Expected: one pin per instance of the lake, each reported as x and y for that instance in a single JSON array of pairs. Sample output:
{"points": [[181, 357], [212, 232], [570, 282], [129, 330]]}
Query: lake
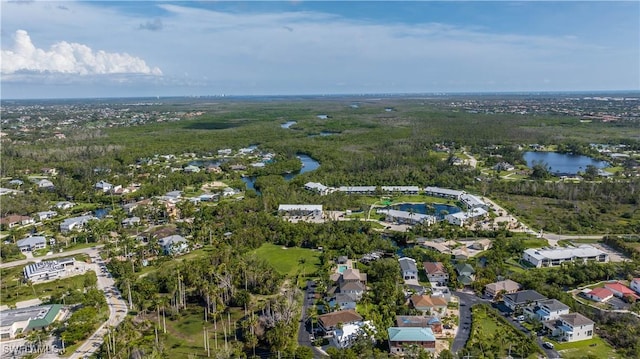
{"points": [[434, 209], [562, 163], [308, 165]]}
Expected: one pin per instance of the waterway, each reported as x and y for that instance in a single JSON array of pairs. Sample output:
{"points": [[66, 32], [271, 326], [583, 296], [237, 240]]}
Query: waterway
{"points": [[562, 163], [308, 165]]}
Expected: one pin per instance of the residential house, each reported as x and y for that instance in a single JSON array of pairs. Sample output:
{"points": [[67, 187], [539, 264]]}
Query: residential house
{"points": [[571, 327], [45, 184], [401, 338], [65, 205], [41, 216], [599, 294], [409, 268], [32, 243], [15, 220], [508, 286], [343, 301], [75, 223], [635, 285], [545, 310], [104, 186], [47, 270], [419, 321], [174, 244], [191, 169], [330, 321], [466, 273], [462, 218], [436, 272], [620, 290], [345, 335], [429, 304], [521, 299], [131, 221]]}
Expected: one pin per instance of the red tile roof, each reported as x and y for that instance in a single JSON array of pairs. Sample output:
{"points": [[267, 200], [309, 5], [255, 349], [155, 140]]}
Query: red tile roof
{"points": [[601, 292]]}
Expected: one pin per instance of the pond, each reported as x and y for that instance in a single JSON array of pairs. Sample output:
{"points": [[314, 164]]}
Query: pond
{"points": [[288, 124], [435, 209], [562, 163], [308, 165]]}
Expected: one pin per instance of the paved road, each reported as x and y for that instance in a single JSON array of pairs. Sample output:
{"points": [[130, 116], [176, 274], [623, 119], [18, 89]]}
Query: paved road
{"points": [[303, 333], [466, 301], [117, 310], [464, 330], [51, 256]]}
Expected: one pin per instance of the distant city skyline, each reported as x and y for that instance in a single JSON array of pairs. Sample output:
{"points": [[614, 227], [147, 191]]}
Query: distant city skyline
{"points": [[84, 49]]}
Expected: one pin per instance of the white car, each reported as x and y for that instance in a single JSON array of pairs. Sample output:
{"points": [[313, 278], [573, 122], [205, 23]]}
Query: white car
{"points": [[548, 345]]}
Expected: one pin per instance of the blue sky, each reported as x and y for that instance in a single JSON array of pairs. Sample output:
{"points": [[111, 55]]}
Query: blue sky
{"points": [[153, 48]]}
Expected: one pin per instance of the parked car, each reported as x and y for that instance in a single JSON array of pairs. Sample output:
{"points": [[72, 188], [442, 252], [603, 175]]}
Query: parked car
{"points": [[548, 345]]}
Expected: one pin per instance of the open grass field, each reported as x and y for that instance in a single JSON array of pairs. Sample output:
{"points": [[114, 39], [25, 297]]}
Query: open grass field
{"points": [[594, 348], [185, 334], [570, 217], [288, 261], [14, 290]]}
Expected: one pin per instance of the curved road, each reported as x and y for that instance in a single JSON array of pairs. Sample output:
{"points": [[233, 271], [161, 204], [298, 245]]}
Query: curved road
{"points": [[106, 283]]}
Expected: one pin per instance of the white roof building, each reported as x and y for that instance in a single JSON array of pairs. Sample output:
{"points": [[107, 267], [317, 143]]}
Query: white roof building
{"points": [[70, 224], [32, 243], [443, 192], [47, 270], [551, 257], [472, 201], [301, 209], [318, 187], [394, 215]]}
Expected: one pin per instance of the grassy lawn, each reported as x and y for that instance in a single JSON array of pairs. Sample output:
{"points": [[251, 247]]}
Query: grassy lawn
{"points": [[288, 261], [595, 347], [488, 325], [535, 243], [14, 290], [185, 333]]}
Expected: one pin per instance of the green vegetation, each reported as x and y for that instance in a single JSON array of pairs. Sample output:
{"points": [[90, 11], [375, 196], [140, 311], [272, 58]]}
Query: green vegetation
{"points": [[15, 290], [493, 336], [289, 261], [592, 348]]}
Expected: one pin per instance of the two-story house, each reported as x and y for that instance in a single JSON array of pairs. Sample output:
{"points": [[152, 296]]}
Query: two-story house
{"points": [[571, 327], [409, 268], [521, 299], [436, 272], [549, 309], [428, 304], [401, 338], [330, 321]]}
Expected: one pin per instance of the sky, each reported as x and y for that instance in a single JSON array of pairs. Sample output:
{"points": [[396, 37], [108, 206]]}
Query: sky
{"points": [[83, 49]]}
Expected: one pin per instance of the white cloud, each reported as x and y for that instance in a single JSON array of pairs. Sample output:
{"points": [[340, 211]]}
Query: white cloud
{"points": [[69, 58]]}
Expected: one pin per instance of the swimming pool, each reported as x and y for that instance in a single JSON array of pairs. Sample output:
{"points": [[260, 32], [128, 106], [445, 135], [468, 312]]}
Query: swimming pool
{"points": [[342, 268]]}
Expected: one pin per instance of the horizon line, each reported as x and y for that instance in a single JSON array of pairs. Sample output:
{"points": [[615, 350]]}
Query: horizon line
{"points": [[387, 94]]}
